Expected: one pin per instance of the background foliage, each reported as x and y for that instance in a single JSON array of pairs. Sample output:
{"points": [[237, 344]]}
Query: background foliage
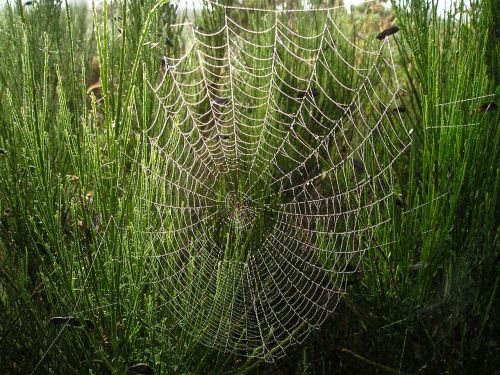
{"points": [[71, 231]]}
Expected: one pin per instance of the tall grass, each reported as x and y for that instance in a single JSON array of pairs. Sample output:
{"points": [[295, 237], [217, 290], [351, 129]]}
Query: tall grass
{"points": [[75, 215]]}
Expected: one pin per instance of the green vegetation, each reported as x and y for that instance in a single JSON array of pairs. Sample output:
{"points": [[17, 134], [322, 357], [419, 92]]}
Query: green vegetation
{"points": [[77, 219]]}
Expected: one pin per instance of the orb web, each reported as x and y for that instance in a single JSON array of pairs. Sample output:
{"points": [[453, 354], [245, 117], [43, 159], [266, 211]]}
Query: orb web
{"points": [[269, 167]]}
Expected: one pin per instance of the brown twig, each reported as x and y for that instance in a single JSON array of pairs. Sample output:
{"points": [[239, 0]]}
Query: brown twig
{"points": [[373, 363]]}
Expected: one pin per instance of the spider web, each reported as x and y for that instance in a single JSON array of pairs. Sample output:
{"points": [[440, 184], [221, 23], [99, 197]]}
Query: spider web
{"points": [[269, 167]]}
